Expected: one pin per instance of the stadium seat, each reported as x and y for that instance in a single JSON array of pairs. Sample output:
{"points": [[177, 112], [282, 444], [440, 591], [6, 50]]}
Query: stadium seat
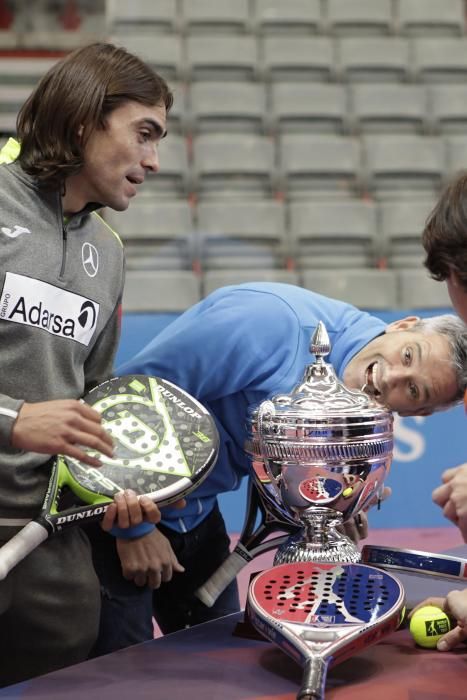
{"points": [[145, 16], [418, 291], [308, 107], [11, 99], [289, 58], [22, 71], [448, 108], [366, 289], [233, 165], [242, 234], [388, 108], [215, 16], [160, 291], [213, 279], [373, 59], [440, 60], [402, 165], [319, 165], [177, 117], [156, 234], [333, 234], [221, 57], [291, 17], [161, 51], [402, 223], [431, 17], [242, 107], [456, 155], [359, 17]]}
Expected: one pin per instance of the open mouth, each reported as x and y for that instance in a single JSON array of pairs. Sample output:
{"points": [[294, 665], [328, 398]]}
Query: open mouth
{"points": [[134, 180], [371, 385]]}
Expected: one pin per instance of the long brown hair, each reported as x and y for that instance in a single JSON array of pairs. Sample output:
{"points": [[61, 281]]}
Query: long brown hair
{"points": [[445, 235], [76, 95]]}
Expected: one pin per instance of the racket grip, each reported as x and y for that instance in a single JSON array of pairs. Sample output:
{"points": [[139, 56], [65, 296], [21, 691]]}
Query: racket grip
{"points": [[314, 679], [210, 591], [16, 549]]}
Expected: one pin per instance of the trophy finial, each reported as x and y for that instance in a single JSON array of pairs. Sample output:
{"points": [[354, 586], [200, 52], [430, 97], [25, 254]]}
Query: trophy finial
{"points": [[320, 344]]}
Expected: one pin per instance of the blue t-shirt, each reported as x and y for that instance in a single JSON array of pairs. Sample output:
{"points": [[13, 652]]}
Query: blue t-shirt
{"points": [[236, 347]]}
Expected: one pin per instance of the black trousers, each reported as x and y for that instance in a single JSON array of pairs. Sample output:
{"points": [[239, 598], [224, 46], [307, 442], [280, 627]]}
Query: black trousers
{"points": [[127, 609]]}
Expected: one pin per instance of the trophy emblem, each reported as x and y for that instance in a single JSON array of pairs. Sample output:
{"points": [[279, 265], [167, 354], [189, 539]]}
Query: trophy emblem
{"points": [[320, 454]]}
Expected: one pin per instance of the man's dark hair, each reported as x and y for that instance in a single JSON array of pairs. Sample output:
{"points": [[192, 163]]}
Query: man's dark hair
{"points": [[445, 234], [76, 96]]}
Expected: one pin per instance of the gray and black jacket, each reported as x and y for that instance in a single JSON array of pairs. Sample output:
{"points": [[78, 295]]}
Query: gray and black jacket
{"points": [[60, 295]]}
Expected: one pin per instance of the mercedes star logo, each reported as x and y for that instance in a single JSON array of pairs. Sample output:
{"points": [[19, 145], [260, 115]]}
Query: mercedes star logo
{"points": [[90, 258]]}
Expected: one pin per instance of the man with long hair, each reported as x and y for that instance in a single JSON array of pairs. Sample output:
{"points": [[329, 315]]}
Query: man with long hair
{"points": [[87, 137]]}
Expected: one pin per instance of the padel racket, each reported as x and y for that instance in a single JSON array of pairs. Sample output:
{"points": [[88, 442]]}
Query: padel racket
{"points": [[415, 562], [252, 542], [165, 443], [321, 614]]}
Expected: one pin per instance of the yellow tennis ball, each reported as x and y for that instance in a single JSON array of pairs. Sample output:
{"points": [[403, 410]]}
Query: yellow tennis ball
{"points": [[428, 624], [347, 492]]}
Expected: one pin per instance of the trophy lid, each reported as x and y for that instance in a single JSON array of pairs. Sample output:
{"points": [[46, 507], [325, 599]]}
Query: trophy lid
{"points": [[321, 419]]}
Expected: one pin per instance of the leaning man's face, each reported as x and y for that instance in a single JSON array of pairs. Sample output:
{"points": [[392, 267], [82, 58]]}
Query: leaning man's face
{"points": [[408, 371]]}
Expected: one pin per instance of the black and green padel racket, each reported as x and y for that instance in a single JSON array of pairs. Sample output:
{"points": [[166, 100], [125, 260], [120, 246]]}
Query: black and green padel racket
{"points": [[165, 443]]}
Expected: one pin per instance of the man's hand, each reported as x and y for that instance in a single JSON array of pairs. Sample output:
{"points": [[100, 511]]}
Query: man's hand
{"points": [[451, 496], [61, 427], [148, 560], [129, 510], [454, 605], [356, 528]]}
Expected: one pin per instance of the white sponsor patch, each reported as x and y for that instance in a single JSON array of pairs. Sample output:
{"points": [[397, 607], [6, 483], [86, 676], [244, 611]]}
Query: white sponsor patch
{"points": [[35, 303]]}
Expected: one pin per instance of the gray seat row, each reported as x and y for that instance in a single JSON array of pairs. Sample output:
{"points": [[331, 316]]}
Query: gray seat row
{"points": [[442, 17], [269, 235], [175, 291]]}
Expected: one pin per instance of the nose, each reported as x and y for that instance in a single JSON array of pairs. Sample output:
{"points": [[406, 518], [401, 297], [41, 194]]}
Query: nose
{"points": [[151, 159]]}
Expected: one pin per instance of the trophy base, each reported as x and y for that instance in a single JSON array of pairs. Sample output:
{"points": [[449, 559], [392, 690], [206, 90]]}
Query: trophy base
{"points": [[297, 548]]}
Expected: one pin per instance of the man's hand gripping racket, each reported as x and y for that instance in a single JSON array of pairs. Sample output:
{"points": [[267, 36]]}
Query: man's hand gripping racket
{"points": [[321, 614], [165, 443]]}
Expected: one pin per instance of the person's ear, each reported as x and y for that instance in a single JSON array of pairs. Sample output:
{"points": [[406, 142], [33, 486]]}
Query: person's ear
{"points": [[402, 324]]}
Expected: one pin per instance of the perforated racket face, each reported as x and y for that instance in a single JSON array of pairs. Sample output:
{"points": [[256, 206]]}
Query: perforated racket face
{"points": [[165, 441], [325, 594]]}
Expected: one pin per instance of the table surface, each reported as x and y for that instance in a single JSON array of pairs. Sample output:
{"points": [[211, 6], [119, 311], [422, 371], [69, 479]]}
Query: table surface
{"points": [[209, 661]]}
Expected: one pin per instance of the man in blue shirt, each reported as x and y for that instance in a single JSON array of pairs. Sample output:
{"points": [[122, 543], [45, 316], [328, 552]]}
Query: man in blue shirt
{"points": [[244, 343]]}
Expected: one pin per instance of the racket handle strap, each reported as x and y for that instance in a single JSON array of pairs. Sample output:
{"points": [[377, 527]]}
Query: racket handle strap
{"points": [[16, 549], [314, 680], [210, 591]]}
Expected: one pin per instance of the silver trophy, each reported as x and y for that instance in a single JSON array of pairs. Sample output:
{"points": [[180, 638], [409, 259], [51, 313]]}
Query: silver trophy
{"points": [[320, 455]]}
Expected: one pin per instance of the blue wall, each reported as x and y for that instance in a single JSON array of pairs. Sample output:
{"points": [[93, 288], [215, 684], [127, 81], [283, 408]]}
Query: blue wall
{"points": [[425, 446]]}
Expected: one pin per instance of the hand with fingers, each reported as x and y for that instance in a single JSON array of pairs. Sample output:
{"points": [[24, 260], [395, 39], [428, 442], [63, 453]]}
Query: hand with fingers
{"points": [[130, 510], [61, 427], [454, 605], [451, 496], [148, 560], [356, 528]]}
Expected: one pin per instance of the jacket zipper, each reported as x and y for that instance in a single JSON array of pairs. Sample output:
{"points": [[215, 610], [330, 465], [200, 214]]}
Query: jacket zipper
{"points": [[64, 250], [64, 227]]}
